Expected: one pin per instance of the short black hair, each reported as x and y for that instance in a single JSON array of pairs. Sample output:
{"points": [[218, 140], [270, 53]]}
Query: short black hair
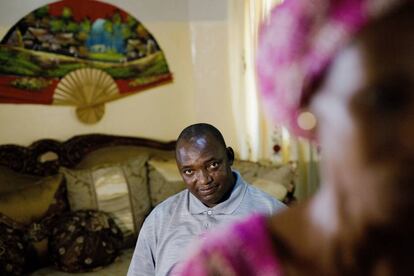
{"points": [[201, 130]]}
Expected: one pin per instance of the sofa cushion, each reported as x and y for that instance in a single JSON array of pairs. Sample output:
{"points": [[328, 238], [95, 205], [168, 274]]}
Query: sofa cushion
{"points": [[276, 180], [118, 267], [164, 179], [34, 208], [32, 202], [251, 171], [11, 180], [273, 188], [84, 240], [119, 189]]}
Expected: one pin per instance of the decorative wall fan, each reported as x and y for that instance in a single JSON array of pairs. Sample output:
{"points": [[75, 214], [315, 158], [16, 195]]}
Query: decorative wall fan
{"points": [[81, 53]]}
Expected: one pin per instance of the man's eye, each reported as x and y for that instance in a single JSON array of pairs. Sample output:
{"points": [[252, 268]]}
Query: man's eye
{"points": [[214, 165], [188, 172]]}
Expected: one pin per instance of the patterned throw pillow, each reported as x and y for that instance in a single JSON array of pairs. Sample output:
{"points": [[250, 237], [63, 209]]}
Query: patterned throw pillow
{"points": [[119, 189], [84, 241], [12, 248]]}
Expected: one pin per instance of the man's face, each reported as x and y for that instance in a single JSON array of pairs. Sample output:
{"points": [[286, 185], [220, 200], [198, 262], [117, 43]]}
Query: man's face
{"points": [[204, 165]]}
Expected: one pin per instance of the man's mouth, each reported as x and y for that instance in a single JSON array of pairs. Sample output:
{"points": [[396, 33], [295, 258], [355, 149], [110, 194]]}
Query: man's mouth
{"points": [[208, 190]]}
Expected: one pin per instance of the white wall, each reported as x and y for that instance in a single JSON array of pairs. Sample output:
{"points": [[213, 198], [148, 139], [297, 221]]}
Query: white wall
{"points": [[193, 35], [209, 34]]}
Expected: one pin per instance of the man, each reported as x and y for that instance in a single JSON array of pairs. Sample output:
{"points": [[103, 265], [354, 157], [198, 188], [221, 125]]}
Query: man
{"points": [[215, 195]]}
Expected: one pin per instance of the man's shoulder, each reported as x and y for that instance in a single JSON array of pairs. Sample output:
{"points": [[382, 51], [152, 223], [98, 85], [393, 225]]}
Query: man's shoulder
{"points": [[169, 204]]}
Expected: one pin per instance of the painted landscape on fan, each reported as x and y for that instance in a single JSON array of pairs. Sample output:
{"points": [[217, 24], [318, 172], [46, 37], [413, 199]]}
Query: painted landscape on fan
{"points": [[86, 41]]}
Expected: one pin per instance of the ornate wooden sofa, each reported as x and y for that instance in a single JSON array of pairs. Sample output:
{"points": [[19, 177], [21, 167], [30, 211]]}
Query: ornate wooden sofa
{"points": [[48, 185]]}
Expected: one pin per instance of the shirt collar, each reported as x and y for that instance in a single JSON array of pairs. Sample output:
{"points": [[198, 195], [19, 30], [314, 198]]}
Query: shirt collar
{"points": [[195, 206]]}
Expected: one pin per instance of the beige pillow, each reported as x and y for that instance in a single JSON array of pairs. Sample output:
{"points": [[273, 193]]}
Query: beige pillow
{"points": [[275, 189], [30, 203], [247, 169], [164, 179], [34, 206], [119, 189], [273, 179]]}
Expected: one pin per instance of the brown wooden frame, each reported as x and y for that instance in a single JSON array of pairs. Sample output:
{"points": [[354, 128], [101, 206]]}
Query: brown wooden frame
{"points": [[68, 153]]}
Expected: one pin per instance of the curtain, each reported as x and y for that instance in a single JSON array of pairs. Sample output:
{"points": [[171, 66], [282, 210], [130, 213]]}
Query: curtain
{"points": [[253, 130], [259, 139]]}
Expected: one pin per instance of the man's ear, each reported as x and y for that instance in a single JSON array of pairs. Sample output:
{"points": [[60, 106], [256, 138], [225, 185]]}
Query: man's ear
{"points": [[230, 155]]}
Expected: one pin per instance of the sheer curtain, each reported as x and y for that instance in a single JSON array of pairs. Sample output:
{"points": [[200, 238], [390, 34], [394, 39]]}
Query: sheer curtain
{"points": [[259, 139], [253, 130]]}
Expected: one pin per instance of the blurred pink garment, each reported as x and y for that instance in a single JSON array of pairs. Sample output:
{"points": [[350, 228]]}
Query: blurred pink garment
{"points": [[297, 44], [244, 248]]}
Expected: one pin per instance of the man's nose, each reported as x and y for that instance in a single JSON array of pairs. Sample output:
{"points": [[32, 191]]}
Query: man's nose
{"points": [[203, 177]]}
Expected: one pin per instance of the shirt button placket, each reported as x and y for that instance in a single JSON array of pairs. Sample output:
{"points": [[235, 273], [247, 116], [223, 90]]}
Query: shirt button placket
{"points": [[207, 225]]}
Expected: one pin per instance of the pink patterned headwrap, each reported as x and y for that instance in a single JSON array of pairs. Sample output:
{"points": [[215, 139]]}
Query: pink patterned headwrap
{"points": [[298, 42]]}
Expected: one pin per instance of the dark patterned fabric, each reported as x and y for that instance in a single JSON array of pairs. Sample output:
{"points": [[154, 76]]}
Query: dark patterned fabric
{"points": [[12, 248], [85, 240], [36, 231]]}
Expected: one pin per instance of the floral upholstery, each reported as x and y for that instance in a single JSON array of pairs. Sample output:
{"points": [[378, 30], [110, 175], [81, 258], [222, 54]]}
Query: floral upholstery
{"points": [[85, 240]]}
